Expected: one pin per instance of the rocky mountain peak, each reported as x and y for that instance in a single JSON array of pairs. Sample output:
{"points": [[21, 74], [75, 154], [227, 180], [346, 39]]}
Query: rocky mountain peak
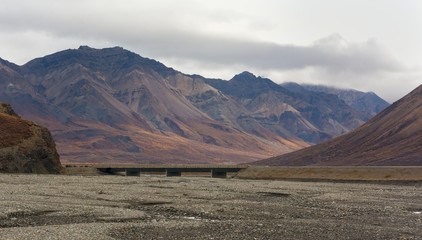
{"points": [[244, 76], [252, 84], [105, 60]]}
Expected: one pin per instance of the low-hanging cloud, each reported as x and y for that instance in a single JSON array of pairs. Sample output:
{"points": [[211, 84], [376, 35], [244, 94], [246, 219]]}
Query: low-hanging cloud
{"points": [[332, 53], [176, 33], [165, 35]]}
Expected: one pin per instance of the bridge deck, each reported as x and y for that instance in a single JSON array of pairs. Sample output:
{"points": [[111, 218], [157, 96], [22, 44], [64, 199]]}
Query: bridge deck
{"points": [[170, 170]]}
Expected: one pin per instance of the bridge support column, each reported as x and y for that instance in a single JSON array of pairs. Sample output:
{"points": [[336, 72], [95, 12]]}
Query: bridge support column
{"points": [[218, 173], [130, 172], [173, 173]]}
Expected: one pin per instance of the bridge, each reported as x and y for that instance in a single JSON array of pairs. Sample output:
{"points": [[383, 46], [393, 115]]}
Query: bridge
{"points": [[217, 171]]}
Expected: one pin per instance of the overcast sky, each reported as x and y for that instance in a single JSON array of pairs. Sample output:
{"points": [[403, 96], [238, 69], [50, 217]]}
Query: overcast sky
{"points": [[369, 45]]}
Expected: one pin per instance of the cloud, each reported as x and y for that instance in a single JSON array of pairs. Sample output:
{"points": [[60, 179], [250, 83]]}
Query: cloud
{"points": [[391, 86], [331, 53], [162, 32], [212, 39]]}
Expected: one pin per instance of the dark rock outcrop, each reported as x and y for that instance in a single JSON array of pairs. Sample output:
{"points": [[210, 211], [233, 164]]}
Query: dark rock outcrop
{"points": [[7, 109], [25, 147]]}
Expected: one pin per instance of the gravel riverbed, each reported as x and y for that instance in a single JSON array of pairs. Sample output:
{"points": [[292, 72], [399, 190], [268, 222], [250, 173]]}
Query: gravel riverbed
{"points": [[158, 207]]}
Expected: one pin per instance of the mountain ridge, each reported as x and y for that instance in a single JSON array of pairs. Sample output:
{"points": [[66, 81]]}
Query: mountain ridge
{"points": [[391, 138], [313, 117], [127, 108], [363, 101]]}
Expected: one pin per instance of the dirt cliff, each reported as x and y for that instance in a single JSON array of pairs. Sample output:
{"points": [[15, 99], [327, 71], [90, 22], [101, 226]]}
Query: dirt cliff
{"points": [[25, 147]]}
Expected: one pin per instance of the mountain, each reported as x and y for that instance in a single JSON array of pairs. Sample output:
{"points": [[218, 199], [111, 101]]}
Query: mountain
{"points": [[113, 106], [312, 117], [391, 138], [363, 101], [25, 146]]}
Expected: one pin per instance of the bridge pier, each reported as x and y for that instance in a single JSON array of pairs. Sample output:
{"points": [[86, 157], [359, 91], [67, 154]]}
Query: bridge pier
{"points": [[215, 173], [130, 172], [173, 173]]}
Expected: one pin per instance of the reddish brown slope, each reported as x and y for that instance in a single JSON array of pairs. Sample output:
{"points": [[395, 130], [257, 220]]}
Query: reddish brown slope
{"points": [[393, 137], [25, 147]]}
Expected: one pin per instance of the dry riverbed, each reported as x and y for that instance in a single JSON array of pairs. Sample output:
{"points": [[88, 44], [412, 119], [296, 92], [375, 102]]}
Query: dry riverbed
{"points": [[158, 207]]}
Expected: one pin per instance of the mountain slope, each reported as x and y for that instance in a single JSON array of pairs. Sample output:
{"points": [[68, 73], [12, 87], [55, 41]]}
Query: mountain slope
{"points": [[363, 101], [112, 105], [393, 137], [313, 117]]}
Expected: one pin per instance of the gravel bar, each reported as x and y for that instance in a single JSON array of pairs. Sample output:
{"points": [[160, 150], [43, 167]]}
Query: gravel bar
{"points": [[188, 207]]}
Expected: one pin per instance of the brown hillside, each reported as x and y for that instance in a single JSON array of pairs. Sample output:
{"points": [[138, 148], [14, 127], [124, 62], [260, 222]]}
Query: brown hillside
{"points": [[25, 147], [13, 130], [393, 137]]}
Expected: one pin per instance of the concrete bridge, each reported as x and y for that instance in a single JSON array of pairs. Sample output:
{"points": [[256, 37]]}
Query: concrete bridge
{"points": [[219, 171]]}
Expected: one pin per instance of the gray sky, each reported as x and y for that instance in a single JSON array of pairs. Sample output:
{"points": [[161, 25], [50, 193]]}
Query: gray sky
{"points": [[370, 45]]}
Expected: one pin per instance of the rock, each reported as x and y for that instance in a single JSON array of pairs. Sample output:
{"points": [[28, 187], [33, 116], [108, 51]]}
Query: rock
{"points": [[7, 109], [25, 147]]}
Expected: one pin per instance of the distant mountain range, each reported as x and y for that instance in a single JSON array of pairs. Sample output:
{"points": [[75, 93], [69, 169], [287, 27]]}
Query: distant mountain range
{"points": [[310, 116], [391, 138], [112, 105], [363, 101]]}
